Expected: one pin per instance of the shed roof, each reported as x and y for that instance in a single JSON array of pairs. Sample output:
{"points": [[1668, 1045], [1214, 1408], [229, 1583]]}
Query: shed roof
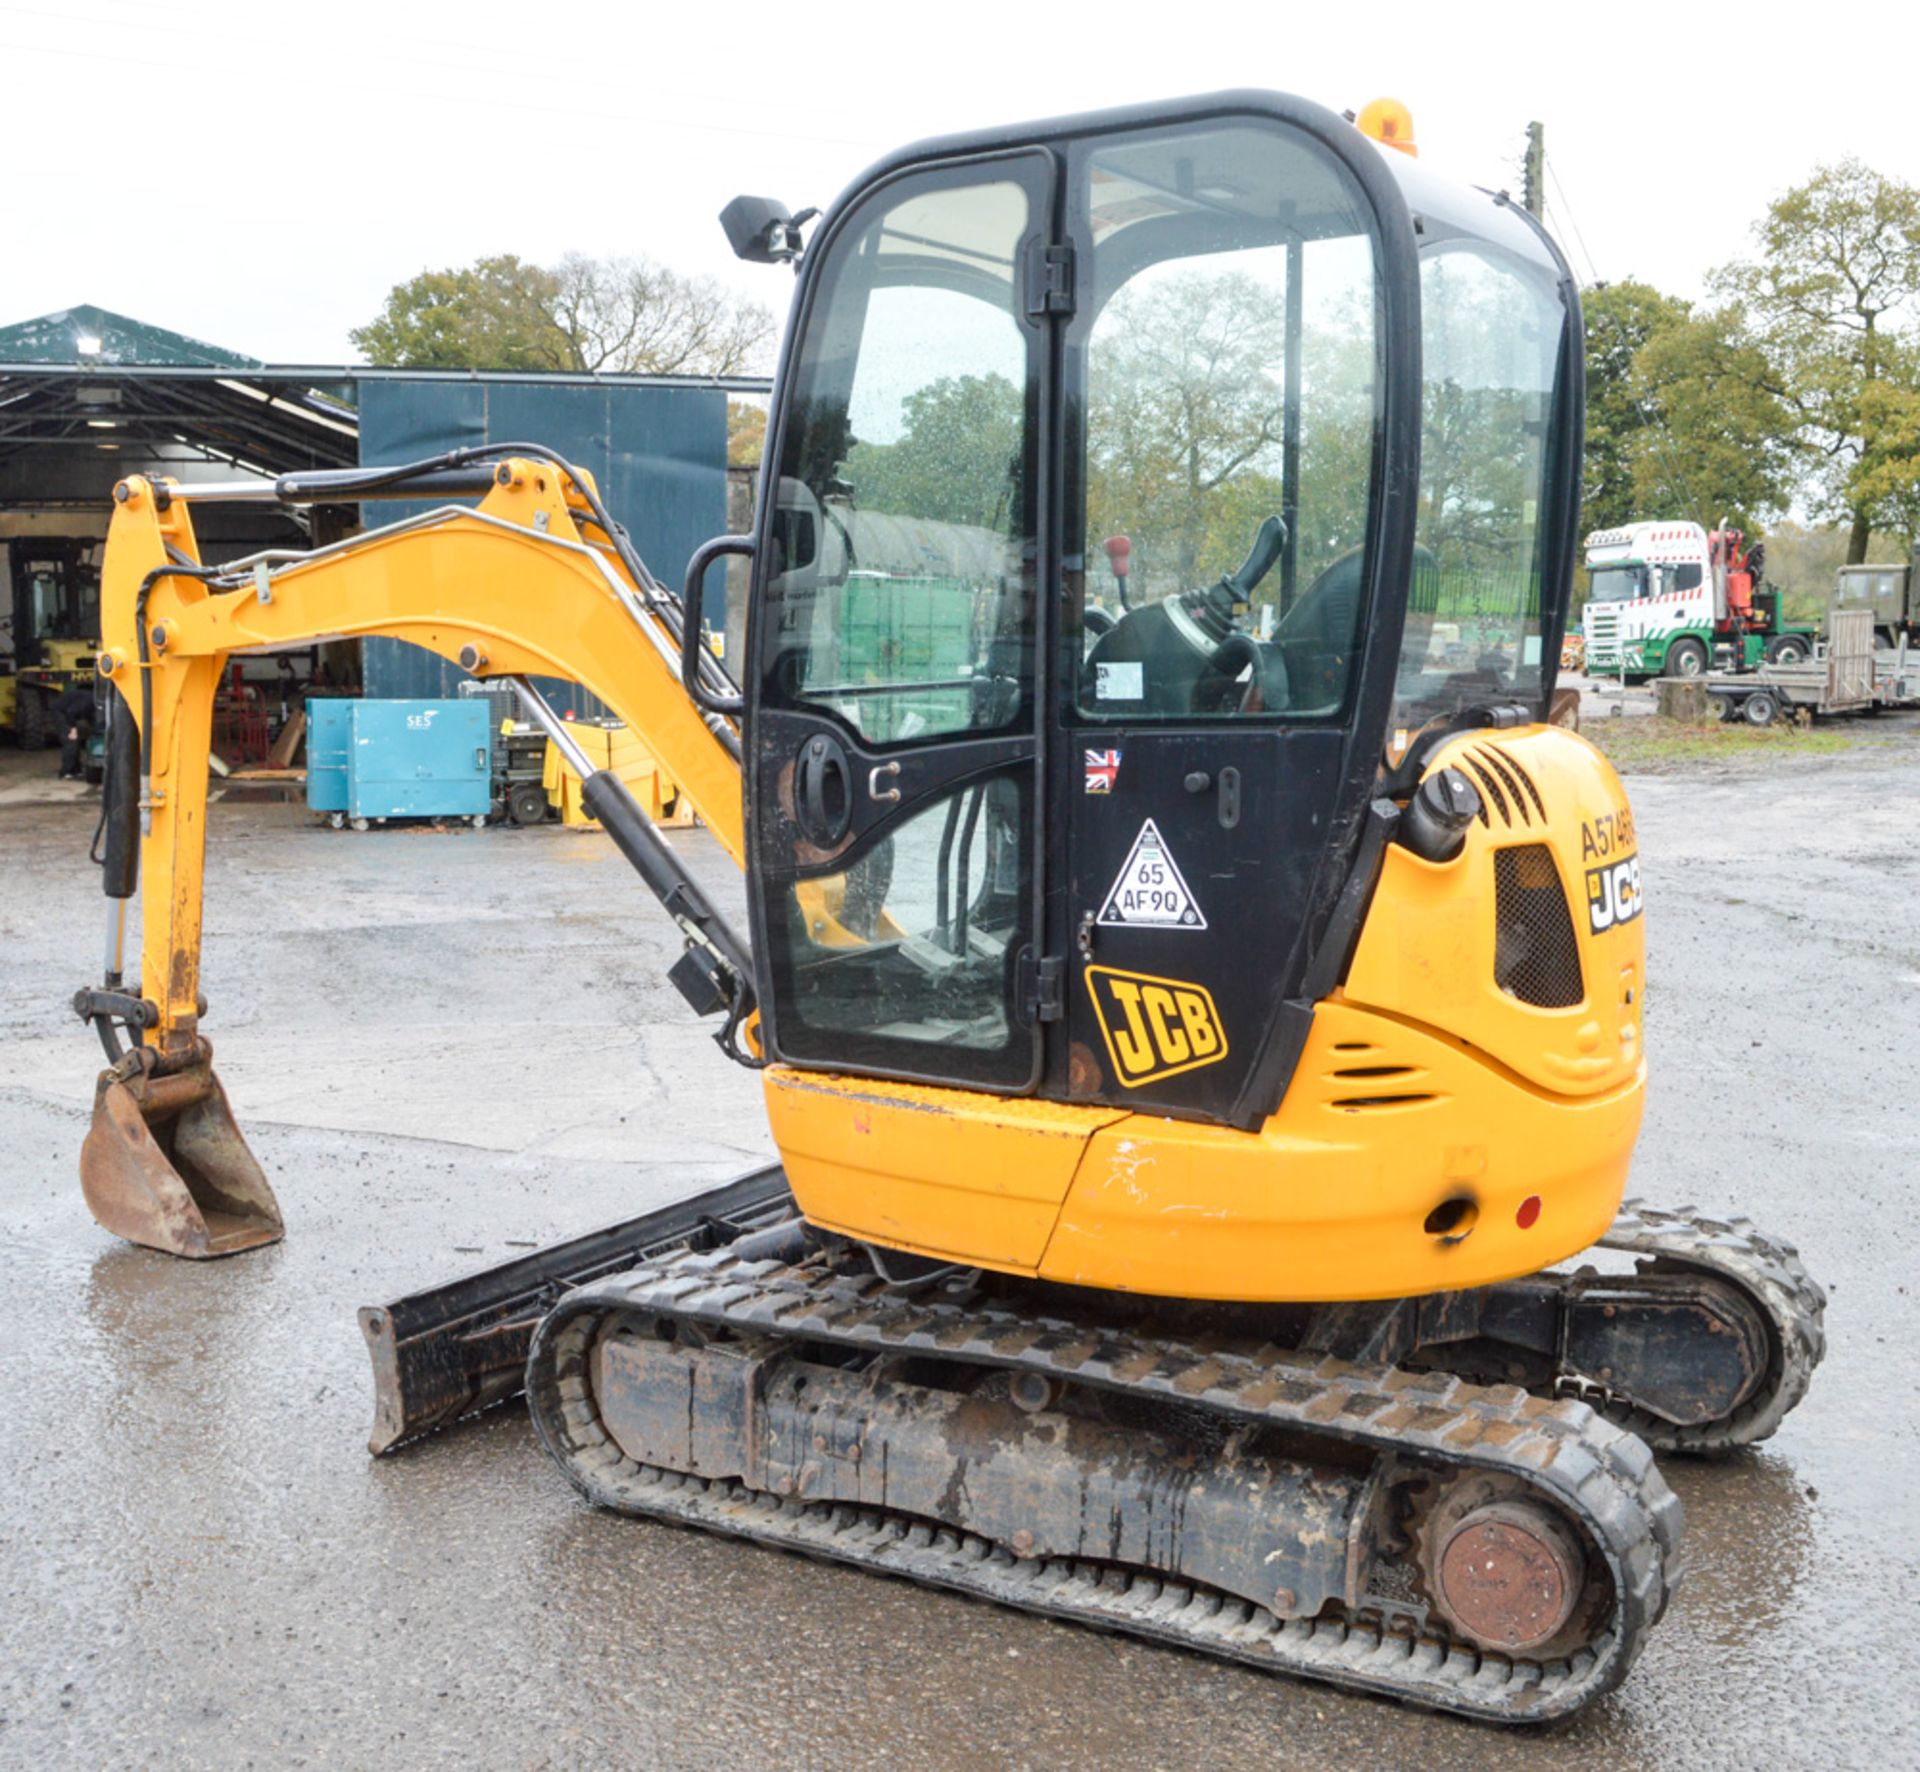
{"points": [[86, 334]]}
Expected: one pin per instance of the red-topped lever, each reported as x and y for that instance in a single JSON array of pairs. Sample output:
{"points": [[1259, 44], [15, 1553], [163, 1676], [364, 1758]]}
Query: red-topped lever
{"points": [[1119, 551]]}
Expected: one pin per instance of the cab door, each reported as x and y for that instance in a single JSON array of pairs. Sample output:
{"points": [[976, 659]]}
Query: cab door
{"points": [[894, 701], [1224, 672]]}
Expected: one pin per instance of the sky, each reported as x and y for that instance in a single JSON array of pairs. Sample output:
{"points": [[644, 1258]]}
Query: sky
{"points": [[259, 176]]}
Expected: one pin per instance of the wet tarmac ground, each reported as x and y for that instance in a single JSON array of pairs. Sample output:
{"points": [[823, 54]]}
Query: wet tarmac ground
{"points": [[447, 1046]]}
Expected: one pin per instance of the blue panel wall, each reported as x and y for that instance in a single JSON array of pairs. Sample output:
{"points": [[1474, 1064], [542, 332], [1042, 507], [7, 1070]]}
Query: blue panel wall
{"points": [[659, 455]]}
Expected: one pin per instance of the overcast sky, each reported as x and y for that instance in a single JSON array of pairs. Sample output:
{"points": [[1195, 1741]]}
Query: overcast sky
{"points": [[259, 175]]}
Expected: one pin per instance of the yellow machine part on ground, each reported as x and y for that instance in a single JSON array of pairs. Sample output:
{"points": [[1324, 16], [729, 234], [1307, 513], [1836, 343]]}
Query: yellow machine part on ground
{"points": [[622, 751]]}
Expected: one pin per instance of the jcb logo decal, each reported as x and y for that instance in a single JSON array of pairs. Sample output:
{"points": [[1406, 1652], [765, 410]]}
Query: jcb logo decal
{"points": [[1154, 1027], [1613, 895]]}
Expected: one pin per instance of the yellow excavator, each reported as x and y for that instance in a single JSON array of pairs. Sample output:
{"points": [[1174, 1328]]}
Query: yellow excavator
{"points": [[1198, 997]]}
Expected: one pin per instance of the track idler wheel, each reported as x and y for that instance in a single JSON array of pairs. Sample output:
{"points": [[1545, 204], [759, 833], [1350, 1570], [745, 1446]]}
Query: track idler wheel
{"points": [[165, 1166], [1505, 1569]]}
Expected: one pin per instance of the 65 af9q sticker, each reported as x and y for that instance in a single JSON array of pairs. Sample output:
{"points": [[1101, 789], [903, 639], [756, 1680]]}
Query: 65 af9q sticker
{"points": [[1150, 889]]}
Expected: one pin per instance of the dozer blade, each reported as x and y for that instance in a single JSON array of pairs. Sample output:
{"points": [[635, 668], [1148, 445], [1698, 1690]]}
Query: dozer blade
{"points": [[450, 1351], [165, 1166]]}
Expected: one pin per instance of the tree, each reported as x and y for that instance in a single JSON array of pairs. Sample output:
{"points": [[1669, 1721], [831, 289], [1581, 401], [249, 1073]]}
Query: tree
{"points": [[957, 459], [1185, 395], [1888, 477], [1722, 441], [746, 433], [632, 316], [1838, 274], [619, 315], [1621, 319], [492, 314], [1685, 415]]}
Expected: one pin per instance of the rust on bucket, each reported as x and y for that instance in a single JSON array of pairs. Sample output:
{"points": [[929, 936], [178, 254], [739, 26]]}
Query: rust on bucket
{"points": [[165, 1166]]}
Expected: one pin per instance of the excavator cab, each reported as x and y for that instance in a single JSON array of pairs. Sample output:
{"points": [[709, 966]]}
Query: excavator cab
{"points": [[997, 791]]}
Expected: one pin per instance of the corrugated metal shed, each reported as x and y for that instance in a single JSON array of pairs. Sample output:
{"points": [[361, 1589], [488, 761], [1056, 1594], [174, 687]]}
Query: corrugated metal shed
{"points": [[658, 451]]}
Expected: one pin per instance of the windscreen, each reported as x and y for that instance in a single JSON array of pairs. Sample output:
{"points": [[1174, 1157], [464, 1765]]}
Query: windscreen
{"points": [[1491, 333], [1616, 584]]}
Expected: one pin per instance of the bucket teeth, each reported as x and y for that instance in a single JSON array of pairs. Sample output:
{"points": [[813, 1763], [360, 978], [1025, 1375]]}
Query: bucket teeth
{"points": [[165, 1166]]}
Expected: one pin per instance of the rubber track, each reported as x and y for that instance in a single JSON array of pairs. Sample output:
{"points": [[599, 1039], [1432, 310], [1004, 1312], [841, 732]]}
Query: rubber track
{"points": [[1770, 1273], [1602, 1476]]}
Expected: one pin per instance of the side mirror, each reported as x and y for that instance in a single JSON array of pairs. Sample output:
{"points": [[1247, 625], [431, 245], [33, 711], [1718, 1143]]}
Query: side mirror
{"points": [[760, 230]]}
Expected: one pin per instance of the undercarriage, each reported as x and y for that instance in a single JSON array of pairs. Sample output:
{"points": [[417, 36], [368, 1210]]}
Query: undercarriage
{"points": [[1450, 1500]]}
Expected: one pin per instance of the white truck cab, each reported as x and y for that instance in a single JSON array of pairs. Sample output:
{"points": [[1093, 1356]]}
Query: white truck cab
{"points": [[1668, 598]]}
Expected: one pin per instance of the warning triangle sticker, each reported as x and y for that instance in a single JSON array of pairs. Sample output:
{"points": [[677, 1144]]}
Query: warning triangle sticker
{"points": [[1150, 891]]}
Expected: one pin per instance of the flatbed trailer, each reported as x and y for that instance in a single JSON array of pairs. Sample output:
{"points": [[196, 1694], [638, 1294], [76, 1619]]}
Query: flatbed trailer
{"points": [[1848, 674]]}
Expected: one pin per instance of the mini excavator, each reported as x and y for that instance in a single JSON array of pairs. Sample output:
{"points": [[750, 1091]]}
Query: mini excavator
{"points": [[1197, 995]]}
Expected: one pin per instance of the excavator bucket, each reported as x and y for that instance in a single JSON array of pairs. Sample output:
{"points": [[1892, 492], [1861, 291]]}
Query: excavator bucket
{"points": [[165, 1166]]}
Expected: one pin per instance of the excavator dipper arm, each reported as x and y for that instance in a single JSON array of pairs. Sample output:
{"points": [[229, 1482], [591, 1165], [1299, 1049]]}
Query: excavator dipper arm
{"points": [[536, 579]]}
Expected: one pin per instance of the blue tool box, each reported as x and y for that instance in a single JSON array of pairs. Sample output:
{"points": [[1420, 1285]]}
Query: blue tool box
{"points": [[371, 760]]}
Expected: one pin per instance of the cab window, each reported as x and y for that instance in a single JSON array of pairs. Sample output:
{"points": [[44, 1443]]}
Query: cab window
{"points": [[1227, 368]]}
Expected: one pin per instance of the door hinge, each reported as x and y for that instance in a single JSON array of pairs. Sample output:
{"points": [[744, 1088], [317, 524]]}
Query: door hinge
{"points": [[1050, 283], [1049, 988]]}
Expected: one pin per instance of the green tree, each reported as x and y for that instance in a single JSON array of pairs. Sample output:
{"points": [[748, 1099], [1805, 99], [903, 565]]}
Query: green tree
{"points": [[1685, 414], [1722, 444], [956, 460], [746, 433], [618, 315], [1836, 280], [1186, 398], [1888, 477], [492, 314], [1622, 318]]}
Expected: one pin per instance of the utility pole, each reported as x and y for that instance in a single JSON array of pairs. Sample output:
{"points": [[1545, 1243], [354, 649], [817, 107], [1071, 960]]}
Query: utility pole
{"points": [[1535, 185]]}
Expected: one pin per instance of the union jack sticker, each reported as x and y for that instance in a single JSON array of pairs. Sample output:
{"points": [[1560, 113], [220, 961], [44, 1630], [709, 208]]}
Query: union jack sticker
{"points": [[1103, 770]]}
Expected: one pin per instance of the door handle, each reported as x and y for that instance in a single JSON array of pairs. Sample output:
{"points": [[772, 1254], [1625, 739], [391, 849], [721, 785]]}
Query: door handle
{"points": [[692, 622], [874, 775], [1229, 797], [822, 797]]}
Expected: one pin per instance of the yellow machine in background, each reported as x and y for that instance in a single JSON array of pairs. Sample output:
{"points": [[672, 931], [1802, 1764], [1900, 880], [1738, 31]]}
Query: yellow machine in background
{"points": [[628, 757], [1198, 998]]}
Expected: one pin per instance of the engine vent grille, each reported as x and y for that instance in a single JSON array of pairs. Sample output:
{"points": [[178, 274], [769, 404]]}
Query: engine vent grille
{"points": [[1535, 955], [1507, 788]]}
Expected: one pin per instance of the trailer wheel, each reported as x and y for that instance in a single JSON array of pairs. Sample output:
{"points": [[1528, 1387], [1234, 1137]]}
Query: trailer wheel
{"points": [[1789, 649], [1760, 708], [1686, 658], [1719, 709]]}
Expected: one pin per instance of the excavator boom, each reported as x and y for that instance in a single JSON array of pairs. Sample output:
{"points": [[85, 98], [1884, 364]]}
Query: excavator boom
{"points": [[535, 579]]}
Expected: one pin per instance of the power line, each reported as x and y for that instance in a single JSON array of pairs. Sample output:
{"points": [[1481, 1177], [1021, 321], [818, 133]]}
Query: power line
{"points": [[1666, 450]]}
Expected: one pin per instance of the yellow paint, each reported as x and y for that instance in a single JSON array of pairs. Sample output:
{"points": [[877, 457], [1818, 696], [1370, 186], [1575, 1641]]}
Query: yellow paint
{"points": [[1329, 1198], [1427, 951], [943, 1172]]}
